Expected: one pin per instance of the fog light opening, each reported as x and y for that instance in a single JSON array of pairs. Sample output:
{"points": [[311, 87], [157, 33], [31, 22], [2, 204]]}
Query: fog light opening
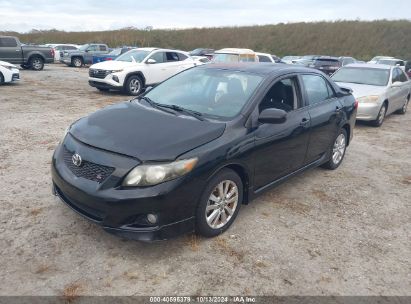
{"points": [[152, 218]]}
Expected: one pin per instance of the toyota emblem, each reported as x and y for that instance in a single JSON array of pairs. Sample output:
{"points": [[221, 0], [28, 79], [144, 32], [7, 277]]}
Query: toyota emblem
{"points": [[76, 159]]}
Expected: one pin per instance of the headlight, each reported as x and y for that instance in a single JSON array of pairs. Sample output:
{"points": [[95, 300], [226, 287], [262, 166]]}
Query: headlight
{"points": [[115, 71], [149, 175], [8, 67], [369, 99]]}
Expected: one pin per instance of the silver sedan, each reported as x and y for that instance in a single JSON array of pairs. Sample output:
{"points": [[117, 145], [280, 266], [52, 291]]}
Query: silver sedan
{"points": [[379, 89]]}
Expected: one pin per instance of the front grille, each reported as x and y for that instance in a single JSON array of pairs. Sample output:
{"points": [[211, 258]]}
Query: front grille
{"points": [[15, 76], [98, 73], [87, 170]]}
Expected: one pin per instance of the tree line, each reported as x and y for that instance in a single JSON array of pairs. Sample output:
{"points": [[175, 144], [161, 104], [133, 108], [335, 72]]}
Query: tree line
{"points": [[360, 39]]}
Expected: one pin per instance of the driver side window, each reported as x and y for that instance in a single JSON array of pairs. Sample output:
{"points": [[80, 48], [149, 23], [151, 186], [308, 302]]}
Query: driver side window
{"points": [[158, 57], [282, 95]]}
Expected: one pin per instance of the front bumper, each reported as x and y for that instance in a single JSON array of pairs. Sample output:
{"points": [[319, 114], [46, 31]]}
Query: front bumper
{"points": [[105, 83], [368, 111], [15, 76], [122, 211]]}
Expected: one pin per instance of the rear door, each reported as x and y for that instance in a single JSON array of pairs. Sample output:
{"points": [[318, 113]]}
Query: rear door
{"points": [[325, 115], [396, 91], [10, 50]]}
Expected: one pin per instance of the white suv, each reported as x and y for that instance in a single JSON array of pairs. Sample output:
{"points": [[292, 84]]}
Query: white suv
{"points": [[139, 68]]}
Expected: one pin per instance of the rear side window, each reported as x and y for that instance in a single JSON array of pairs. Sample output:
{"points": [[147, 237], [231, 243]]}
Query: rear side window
{"points": [[316, 88], [69, 47], [182, 57], [8, 42], [171, 56], [103, 48]]}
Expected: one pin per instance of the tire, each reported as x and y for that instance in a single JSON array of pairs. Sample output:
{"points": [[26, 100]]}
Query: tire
{"points": [[1, 79], [134, 85], [381, 116], [77, 62], [224, 211], [337, 151], [403, 110], [36, 63]]}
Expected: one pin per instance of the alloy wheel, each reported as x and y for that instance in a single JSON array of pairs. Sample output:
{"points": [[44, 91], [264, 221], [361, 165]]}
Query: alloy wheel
{"points": [[36, 64], [381, 115], [222, 204], [135, 86], [339, 149]]}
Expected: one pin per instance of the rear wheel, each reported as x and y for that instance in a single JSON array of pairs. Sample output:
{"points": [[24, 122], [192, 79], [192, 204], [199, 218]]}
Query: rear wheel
{"points": [[134, 85], [403, 110], [380, 117], [36, 63], [337, 151], [1, 78], [219, 204], [77, 62]]}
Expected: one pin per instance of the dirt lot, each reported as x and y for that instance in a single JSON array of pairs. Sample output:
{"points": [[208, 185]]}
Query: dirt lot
{"points": [[343, 232]]}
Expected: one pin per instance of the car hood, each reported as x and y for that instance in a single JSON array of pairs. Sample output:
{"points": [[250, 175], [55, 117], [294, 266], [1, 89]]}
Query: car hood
{"points": [[113, 65], [360, 90], [143, 132], [4, 63]]}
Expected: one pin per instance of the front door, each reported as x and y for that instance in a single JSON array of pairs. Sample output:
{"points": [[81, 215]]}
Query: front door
{"points": [[280, 148]]}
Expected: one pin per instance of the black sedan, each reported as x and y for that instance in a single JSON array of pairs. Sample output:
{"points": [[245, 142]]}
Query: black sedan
{"points": [[185, 155]]}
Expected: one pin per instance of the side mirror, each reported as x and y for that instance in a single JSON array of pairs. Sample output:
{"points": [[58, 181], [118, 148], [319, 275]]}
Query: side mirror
{"points": [[151, 61], [272, 116], [396, 84]]}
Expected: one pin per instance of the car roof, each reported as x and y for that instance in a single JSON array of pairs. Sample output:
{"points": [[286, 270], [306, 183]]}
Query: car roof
{"points": [[264, 69], [370, 66], [235, 51]]}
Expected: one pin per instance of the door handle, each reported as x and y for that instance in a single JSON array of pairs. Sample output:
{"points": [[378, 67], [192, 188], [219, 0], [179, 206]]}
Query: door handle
{"points": [[304, 122]]}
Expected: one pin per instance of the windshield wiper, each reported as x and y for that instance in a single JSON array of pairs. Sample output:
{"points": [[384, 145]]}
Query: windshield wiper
{"points": [[155, 104], [177, 108]]}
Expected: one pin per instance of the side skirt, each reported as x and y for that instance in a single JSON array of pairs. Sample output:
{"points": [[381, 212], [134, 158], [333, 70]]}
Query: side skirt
{"points": [[279, 181]]}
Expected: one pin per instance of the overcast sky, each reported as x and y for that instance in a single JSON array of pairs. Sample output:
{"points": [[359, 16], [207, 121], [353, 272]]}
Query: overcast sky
{"points": [[84, 15]]}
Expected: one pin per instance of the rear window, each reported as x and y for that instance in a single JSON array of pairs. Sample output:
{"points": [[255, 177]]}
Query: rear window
{"points": [[263, 58], [8, 42]]}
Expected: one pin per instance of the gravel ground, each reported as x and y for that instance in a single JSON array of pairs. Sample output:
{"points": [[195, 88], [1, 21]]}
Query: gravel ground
{"points": [[343, 232]]}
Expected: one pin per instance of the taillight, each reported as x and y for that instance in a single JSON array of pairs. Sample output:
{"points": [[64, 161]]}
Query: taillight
{"points": [[52, 52], [356, 104]]}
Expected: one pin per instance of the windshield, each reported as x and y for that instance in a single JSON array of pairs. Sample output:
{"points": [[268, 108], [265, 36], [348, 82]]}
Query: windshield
{"points": [[115, 52], [368, 76], [83, 47], [390, 62], [196, 52], [211, 92], [137, 55]]}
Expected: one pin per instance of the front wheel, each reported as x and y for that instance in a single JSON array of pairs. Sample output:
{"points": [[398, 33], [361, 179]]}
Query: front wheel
{"points": [[134, 85], [219, 204], [337, 151], [380, 117], [36, 63]]}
